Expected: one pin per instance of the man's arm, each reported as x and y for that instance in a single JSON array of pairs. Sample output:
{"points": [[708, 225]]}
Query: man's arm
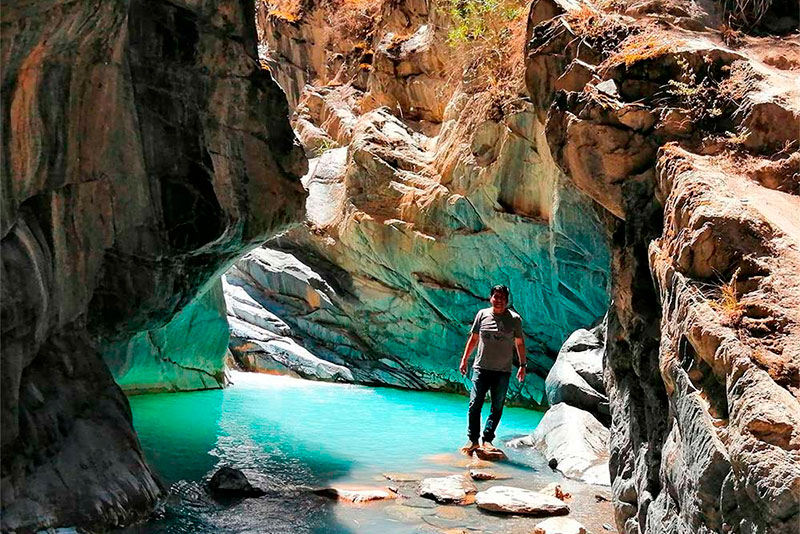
{"points": [[520, 344], [472, 342]]}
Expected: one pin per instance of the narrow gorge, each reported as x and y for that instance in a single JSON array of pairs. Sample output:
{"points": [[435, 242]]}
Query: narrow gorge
{"points": [[327, 189]]}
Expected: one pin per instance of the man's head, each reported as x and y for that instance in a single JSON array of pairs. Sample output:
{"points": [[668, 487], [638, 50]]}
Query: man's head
{"points": [[498, 296]]}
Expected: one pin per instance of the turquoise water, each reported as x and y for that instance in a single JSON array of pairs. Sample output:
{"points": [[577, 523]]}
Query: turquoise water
{"points": [[289, 435]]}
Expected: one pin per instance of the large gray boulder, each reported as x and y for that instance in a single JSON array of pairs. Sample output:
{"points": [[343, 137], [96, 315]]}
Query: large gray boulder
{"points": [[577, 376], [574, 442]]}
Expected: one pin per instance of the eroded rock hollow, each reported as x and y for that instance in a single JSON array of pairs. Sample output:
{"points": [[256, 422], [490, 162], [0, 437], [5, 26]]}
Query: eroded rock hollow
{"points": [[144, 150]]}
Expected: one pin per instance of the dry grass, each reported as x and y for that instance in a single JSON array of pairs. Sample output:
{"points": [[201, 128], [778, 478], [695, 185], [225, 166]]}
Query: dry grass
{"points": [[646, 44], [745, 13], [286, 10], [728, 302]]}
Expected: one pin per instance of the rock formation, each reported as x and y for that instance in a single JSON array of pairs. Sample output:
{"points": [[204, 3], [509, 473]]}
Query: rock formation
{"points": [[423, 193], [692, 146], [144, 150]]}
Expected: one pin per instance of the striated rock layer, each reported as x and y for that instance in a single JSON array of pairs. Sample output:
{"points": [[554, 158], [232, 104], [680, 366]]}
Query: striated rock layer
{"points": [[422, 195], [692, 146], [144, 150]]}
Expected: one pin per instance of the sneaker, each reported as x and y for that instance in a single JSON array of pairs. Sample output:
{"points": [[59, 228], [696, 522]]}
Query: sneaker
{"points": [[469, 448]]}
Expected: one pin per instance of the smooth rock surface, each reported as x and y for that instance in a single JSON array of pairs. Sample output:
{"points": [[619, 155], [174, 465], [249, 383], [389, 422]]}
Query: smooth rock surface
{"points": [[559, 525], [452, 489], [512, 500], [574, 442]]}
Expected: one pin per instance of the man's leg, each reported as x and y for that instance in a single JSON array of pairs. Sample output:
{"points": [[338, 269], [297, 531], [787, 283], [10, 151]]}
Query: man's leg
{"points": [[480, 385], [499, 388]]}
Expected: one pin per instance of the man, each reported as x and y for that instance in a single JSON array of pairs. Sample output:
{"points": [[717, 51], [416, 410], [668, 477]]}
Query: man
{"points": [[497, 332]]}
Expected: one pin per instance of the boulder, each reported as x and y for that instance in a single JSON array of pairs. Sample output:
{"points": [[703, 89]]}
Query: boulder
{"points": [[577, 376], [574, 442], [519, 501], [230, 482], [452, 489], [559, 525]]}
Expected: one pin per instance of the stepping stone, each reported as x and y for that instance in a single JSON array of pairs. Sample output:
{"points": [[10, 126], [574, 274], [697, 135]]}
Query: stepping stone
{"points": [[495, 455], [477, 474], [559, 525], [452, 489], [512, 500], [357, 496]]}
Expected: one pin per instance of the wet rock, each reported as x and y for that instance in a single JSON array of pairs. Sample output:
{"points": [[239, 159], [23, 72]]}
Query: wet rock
{"points": [[490, 455], [574, 442], [453, 489], [357, 496], [230, 482], [519, 501], [480, 474], [559, 525]]}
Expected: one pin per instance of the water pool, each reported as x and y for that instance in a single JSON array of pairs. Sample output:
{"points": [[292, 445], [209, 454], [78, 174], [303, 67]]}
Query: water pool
{"points": [[289, 435]]}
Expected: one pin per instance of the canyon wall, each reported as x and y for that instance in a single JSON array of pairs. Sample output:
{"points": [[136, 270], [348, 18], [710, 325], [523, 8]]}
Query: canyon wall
{"points": [[423, 193], [144, 150], [691, 144]]}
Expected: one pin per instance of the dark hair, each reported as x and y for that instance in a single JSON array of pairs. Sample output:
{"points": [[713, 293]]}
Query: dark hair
{"points": [[500, 289]]}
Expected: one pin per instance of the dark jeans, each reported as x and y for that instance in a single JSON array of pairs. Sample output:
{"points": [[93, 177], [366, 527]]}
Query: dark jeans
{"points": [[484, 381]]}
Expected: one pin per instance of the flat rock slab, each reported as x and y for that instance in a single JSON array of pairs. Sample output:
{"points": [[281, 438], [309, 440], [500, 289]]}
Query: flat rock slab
{"points": [[559, 525], [357, 496], [491, 455], [512, 500], [452, 489]]}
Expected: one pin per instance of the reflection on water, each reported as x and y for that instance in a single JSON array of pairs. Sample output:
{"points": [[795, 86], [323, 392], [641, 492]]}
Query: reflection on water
{"points": [[289, 435]]}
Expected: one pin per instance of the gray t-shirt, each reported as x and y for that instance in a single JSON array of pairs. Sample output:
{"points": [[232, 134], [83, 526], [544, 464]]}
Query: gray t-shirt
{"points": [[496, 348]]}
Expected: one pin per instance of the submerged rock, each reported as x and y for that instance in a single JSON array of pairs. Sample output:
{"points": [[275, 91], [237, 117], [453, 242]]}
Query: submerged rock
{"points": [[453, 489], [357, 496], [512, 500], [230, 482]]}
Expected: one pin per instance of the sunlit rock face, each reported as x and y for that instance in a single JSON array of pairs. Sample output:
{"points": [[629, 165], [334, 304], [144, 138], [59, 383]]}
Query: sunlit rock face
{"points": [[420, 198], [184, 354], [702, 361], [144, 150]]}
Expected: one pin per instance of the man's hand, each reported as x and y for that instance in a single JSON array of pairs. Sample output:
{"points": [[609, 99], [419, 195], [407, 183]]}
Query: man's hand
{"points": [[463, 367], [521, 374]]}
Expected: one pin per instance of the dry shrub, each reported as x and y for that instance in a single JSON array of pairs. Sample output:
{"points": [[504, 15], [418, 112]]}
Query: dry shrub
{"points": [[287, 10], [645, 44], [355, 19], [728, 303], [745, 13], [488, 38]]}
